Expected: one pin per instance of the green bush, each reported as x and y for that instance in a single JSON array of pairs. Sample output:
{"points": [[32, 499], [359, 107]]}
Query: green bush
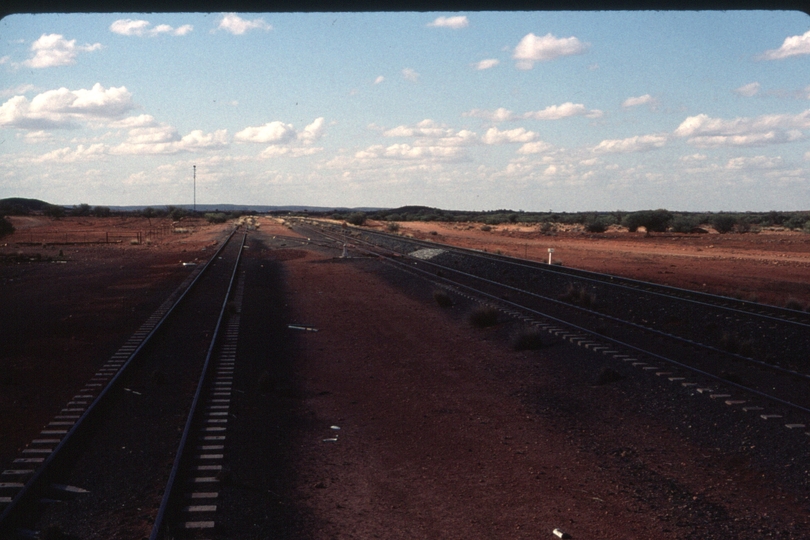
{"points": [[81, 211], [54, 211], [173, 212], [5, 227], [483, 317], [215, 217], [356, 218], [723, 223], [527, 339], [599, 224], [795, 222], [392, 227], [651, 220], [578, 295], [684, 224], [442, 298]]}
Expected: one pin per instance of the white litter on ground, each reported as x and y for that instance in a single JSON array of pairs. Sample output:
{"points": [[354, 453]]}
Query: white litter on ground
{"points": [[427, 253]]}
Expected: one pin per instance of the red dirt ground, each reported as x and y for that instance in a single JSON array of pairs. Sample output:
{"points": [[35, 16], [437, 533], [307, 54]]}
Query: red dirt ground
{"points": [[61, 320], [441, 434], [439, 437]]}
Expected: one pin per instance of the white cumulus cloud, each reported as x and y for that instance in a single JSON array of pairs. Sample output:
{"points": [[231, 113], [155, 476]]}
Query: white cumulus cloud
{"points": [[63, 108], [646, 99], [52, 50], [486, 64], [495, 136], [312, 132], [748, 90], [411, 153], [17, 90], [792, 46], [410, 75], [639, 143], [429, 133], [151, 139], [533, 49], [498, 115], [272, 132], [68, 155], [756, 162], [233, 23], [379, 79], [704, 131], [140, 28], [278, 151], [456, 22], [536, 147], [556, 112]]}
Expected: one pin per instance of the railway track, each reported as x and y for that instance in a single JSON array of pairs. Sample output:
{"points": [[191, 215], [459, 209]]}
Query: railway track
{"points": [[109, 464], [683, 337]]}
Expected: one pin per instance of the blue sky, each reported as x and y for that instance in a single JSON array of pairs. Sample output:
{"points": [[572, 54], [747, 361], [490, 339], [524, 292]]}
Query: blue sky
{"points": [[567, 111]]}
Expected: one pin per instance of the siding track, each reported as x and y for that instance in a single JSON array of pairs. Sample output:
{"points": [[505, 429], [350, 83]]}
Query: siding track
{"points": [[739, 353]]}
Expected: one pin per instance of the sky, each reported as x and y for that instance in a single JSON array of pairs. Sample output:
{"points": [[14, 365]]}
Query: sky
{"points": [[534, 111]]}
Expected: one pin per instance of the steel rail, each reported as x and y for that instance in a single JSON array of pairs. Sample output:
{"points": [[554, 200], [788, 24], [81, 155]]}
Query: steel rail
{"points": [[621, 282], [33, 483], [637, 326], [619, 343], [624, 322], [157, 526]]}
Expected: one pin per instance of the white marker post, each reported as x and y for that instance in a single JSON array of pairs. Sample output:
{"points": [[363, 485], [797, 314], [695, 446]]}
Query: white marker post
{"points": [[550, 251]]}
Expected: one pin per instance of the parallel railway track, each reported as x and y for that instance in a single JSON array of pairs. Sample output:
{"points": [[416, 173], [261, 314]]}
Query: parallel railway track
{"points": [[629, 320], [114, 448]]}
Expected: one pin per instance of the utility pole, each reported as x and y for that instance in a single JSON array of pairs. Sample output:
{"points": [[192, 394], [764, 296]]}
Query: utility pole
{"points": [[195, 188]]}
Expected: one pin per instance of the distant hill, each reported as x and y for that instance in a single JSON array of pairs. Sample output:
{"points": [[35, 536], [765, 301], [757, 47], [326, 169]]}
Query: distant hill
{"points": [[18, 205], [252, 208]]}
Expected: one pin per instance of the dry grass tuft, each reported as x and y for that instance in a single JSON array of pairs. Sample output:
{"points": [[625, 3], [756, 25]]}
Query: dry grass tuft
{"points": [[736, 345], [607, 376], [442, 298], [527, 339], [483, 317], [265, 383], [578, 295]]}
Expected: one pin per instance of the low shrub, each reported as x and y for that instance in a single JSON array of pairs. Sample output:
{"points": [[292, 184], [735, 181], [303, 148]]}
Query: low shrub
{"points": [[595, 226], [735, 344], [607, 376], [483, 317], [5, 227], [723, 223], [651, 220], [265, 383], [392, 227], [215, 217], [527, 339], [442, 298], [794, 303], [356, 218], [486, 228], [684, 224], [158, 377], [578, 295]]}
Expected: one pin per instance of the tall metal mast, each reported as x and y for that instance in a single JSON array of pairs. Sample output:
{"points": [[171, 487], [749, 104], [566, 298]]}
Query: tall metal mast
{"points": [[195, 188]]}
